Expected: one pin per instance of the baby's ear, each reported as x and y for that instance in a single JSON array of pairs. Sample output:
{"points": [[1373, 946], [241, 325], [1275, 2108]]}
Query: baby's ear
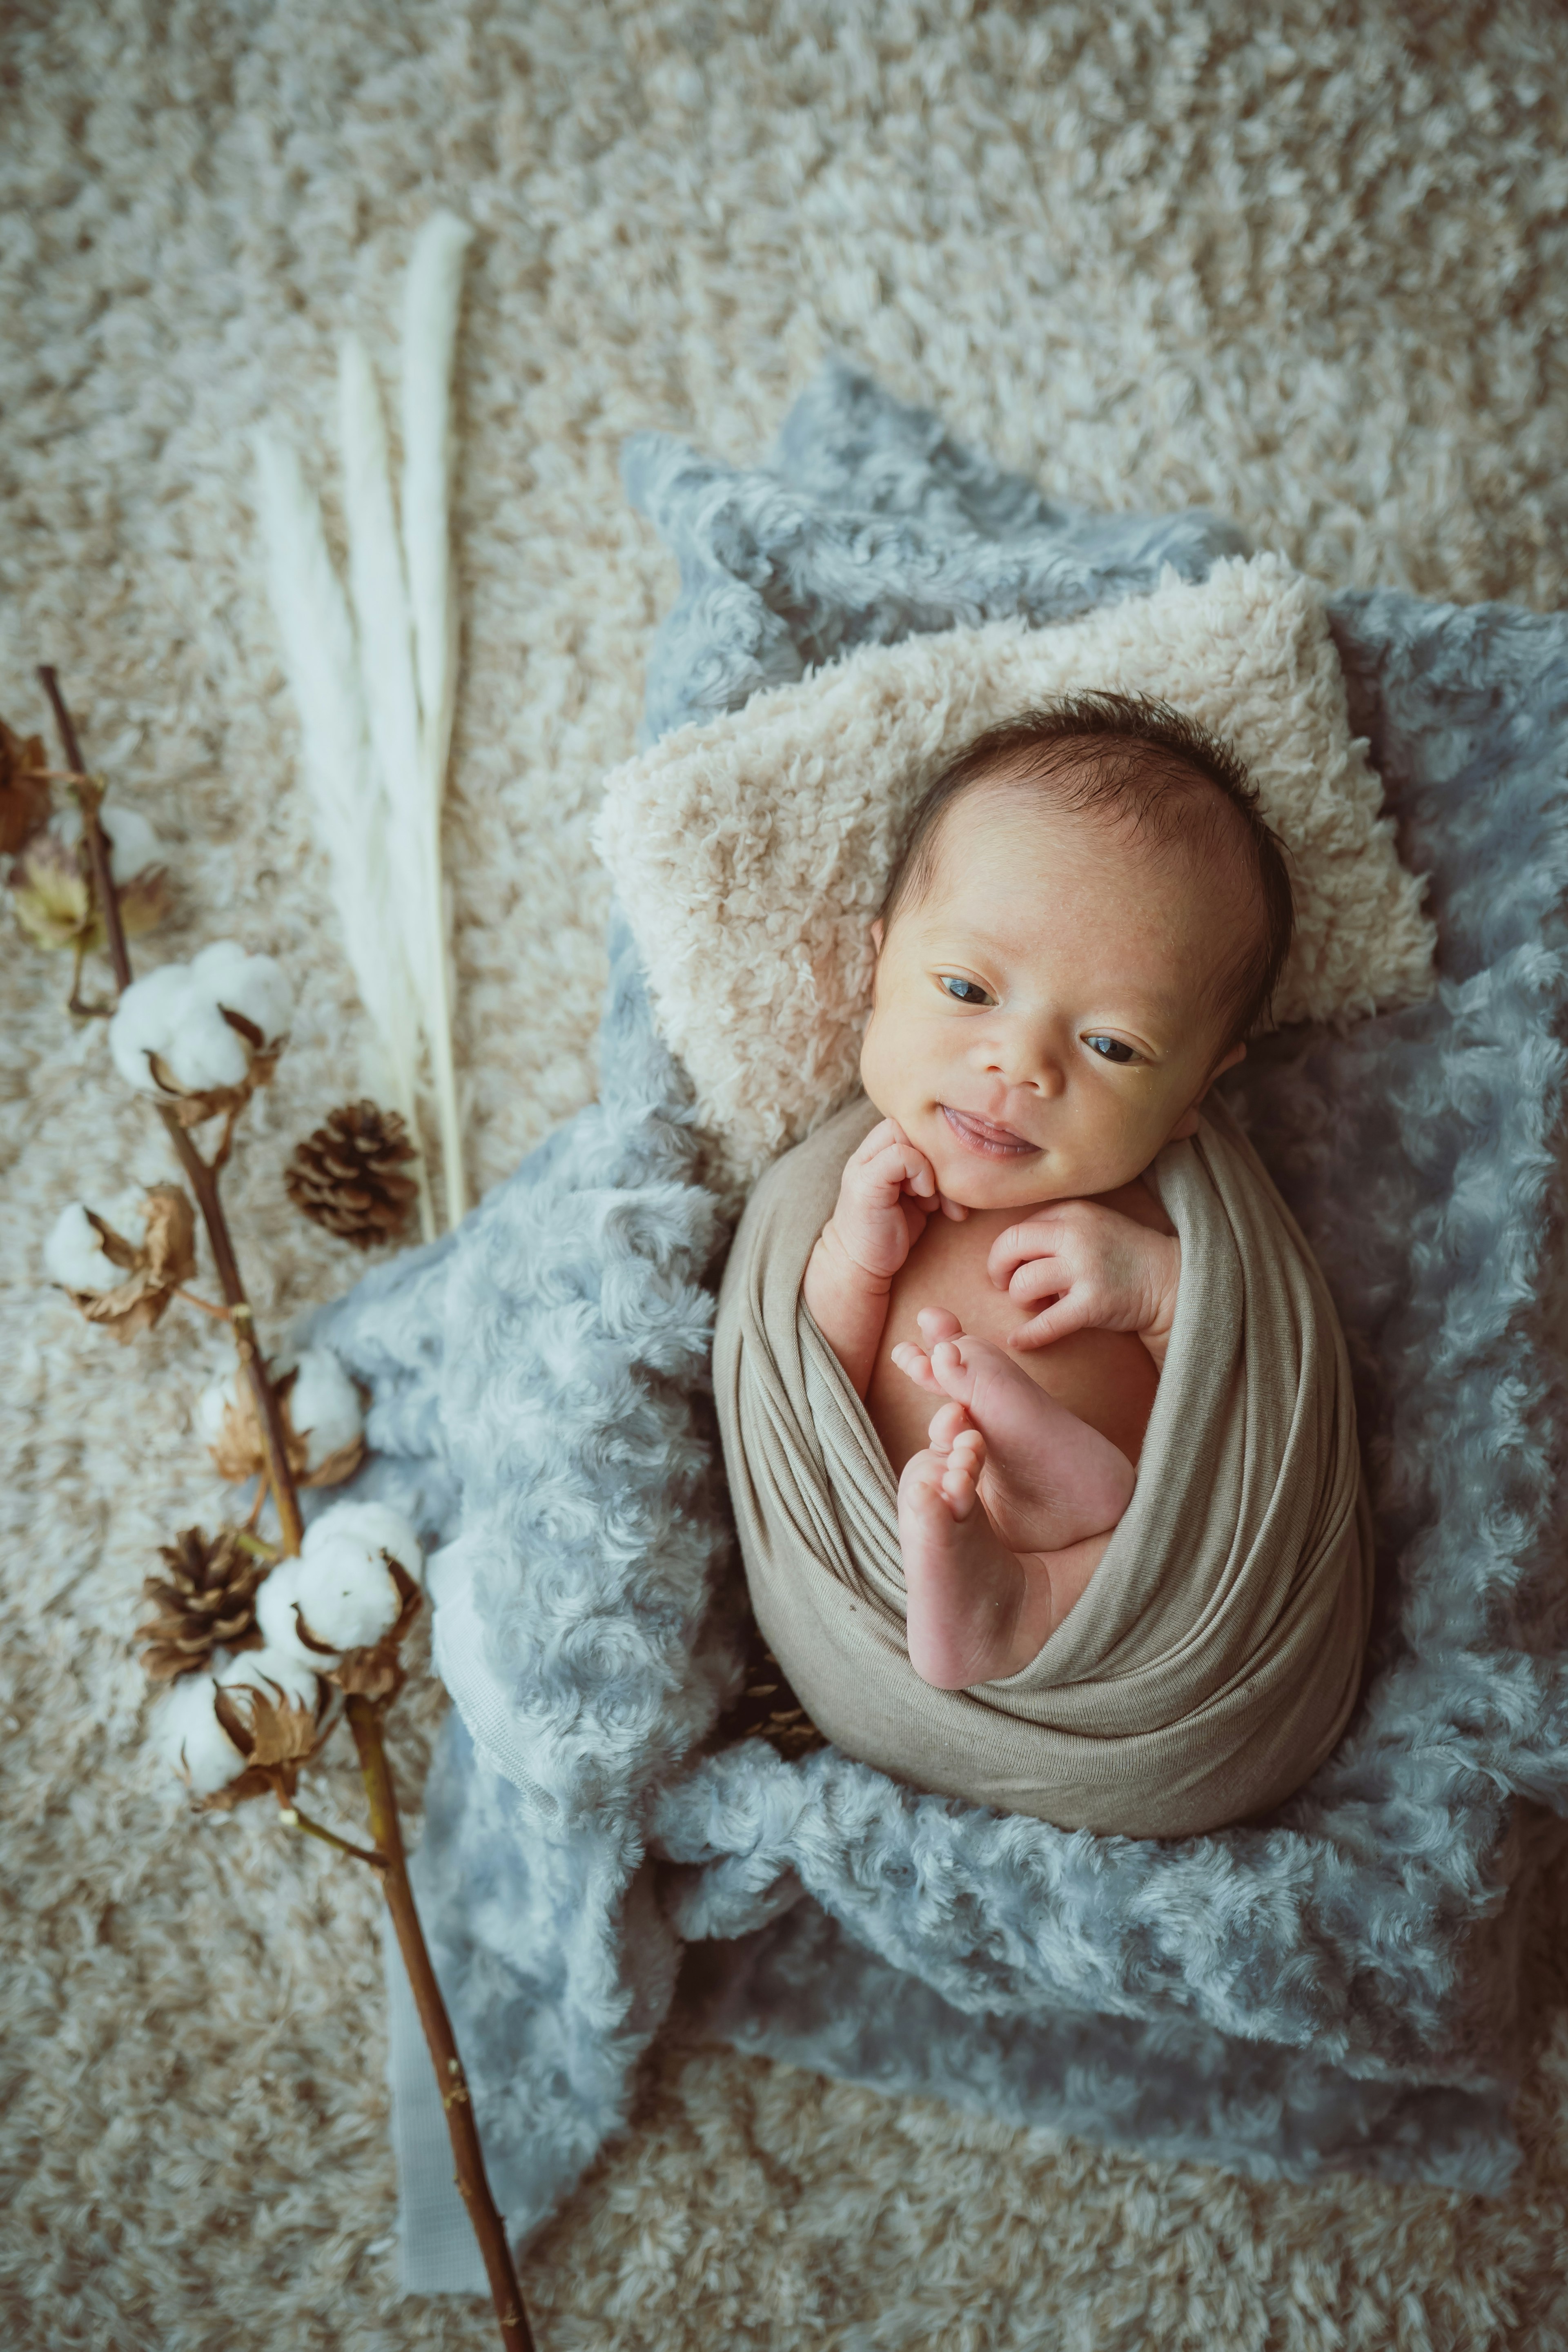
{"points": [[1188, 1123]]}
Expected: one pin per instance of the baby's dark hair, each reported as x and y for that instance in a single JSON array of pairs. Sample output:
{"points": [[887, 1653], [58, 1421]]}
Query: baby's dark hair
{"points": [[1159, 771]]}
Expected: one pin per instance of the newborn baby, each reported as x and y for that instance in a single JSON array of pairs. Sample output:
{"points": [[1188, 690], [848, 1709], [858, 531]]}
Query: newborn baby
{"points": [[1036, 1414], [1082, 930]]}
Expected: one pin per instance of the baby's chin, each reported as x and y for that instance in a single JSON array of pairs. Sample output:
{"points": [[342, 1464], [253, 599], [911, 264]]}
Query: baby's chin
{"points": [[979, 1182], [1023, 1187]]}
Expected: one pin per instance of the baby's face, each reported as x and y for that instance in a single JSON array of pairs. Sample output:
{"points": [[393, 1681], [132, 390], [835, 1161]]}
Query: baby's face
{"points": [[1040, 1026]]}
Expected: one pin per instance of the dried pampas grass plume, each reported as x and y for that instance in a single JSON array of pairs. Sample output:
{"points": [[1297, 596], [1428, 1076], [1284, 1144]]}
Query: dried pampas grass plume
{"points": [[431, 303], [376, 691], [321, 662]]}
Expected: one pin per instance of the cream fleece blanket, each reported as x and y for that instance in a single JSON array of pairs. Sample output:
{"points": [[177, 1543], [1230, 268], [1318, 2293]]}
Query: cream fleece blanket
{"points": [[1214, 1658]]}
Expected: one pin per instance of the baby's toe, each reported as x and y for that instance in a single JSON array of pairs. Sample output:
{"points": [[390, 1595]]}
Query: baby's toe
{"points": [[949, 1371], [946, 1424], [936, 1324]]}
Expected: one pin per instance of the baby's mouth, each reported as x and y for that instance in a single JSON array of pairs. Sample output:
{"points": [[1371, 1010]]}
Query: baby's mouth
{"points": [[983, 1135]]}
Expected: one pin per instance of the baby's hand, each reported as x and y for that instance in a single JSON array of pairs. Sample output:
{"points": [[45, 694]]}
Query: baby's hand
{"points": [[1094, 1269], [887, 1192]]}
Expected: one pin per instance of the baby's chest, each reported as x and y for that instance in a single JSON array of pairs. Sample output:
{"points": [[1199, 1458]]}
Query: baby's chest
{"points": [[1107, 1378]]}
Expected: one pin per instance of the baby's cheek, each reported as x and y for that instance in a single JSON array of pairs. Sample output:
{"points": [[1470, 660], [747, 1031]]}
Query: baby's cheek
{"points": [[873, 1071]]}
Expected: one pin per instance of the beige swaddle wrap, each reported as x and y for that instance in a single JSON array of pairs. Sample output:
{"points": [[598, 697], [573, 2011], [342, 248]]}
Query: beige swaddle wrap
{"points": [[1213, 1659]]}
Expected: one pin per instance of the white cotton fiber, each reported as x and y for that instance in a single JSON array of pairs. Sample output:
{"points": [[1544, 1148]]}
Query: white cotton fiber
{"points": [[375, 1525], [255, 985], [73, 1255], [211, 1406], [324, 1405], [176, 1013], [277, 1675], [133, 845], [340, 1583], [188, 1735]]}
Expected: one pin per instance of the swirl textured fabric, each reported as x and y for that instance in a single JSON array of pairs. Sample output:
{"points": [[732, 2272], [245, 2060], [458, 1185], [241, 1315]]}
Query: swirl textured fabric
{"points": [[1213, 1659]]}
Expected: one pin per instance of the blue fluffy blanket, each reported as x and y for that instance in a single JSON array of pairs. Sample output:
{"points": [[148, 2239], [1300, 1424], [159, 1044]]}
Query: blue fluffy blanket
{"points": [[1334, 1986]]}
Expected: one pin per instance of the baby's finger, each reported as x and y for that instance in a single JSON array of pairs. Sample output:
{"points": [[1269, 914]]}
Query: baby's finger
{"points": [[886, 1132], [1037, 1237], [902, 1168], [1068, 1314], [1041, 1278], [953, 1209]]}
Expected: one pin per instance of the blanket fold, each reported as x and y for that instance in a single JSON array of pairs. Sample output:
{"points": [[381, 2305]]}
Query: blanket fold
{"points": [[1216, 1657]]}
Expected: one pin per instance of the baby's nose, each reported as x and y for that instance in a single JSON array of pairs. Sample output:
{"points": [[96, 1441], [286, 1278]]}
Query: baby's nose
{"points": [[1023, 1062]]}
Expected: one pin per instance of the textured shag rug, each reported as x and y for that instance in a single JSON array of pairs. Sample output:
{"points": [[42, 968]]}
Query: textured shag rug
{"points": [[1305, 264]]}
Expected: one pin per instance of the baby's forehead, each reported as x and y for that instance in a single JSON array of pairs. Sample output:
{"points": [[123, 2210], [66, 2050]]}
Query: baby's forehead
{"points": [[1169, 905], [1184, 827]]}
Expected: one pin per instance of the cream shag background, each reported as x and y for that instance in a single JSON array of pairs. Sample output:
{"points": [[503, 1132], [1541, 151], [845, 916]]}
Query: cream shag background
{"points": [[1304, 263], [750, 852]]}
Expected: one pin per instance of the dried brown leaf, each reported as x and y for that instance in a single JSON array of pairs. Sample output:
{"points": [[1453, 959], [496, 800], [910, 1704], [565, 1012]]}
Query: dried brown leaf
{"points": [[194, 1105], [275, 1735], [24, 789], [155, 1269], [53, 896], [376, 1671]]}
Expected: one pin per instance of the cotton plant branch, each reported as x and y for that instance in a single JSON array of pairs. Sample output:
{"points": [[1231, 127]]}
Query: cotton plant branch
{"points": [[200, 1176], [257, 1642]]}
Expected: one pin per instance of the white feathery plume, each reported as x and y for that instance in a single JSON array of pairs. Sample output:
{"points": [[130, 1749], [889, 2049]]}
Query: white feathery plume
{"points": [[391, 700], [322, 667], [433, 297]]}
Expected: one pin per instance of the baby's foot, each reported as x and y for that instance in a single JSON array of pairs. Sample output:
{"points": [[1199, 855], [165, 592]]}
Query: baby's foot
{"points": [[1047, 1479], [966, 1587]]}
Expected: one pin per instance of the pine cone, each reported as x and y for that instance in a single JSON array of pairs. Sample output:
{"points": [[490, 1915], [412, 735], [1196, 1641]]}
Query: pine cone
{"points": [[207, 1602], [347, 1175], [767, 1708]]}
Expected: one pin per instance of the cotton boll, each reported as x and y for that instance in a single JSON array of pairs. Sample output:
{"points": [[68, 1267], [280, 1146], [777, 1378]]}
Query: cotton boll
{"points": [[188, 1736], [321, 1408], [255, 986], [377, 1525], [177, 1014], [211, 1406], [279, 1603], [74, 1257], [340, 1583], [277, 1673], [133, 845], [324, 1405], [344, 1594], [203, 1050], [143, 1024]]}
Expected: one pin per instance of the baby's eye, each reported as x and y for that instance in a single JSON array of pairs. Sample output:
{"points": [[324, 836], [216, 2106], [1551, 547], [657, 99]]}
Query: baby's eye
{"points": [[968, 992], [1110, 1049]]}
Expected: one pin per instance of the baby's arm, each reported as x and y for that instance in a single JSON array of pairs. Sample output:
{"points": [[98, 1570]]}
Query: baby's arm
{"points": [[888, 1190], [1094, 1269]]}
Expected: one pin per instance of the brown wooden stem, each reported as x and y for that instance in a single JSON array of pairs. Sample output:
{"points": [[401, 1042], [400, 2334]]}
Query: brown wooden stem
{"points": [[202, 1178], [364, 1721], [269, 1413], [293, 1819]]}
